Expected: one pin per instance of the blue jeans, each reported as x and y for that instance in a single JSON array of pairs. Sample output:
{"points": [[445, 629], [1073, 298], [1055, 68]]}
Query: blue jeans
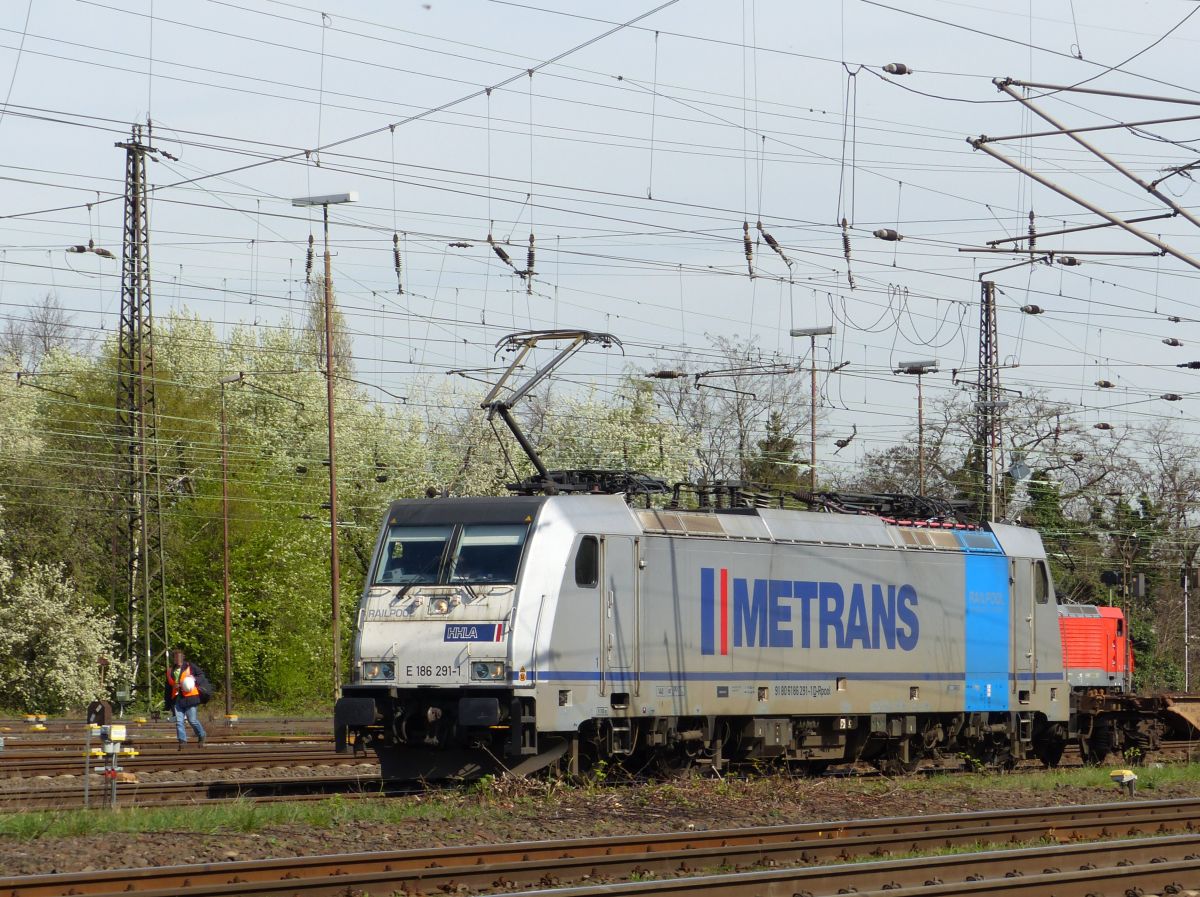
{"points": [[190, 715]]}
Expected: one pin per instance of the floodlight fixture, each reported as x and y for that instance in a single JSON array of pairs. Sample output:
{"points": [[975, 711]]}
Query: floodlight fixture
{"points": [[330, 199], [925, 366], [827, 330]]}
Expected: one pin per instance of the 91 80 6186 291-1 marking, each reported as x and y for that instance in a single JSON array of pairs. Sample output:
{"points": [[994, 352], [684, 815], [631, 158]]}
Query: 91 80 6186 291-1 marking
{"points": [[424, 671]]}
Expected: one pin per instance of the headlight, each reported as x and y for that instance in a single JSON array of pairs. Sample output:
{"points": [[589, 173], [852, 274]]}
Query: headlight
{"points": [[439, 606], [375, 670], [489, 670]]}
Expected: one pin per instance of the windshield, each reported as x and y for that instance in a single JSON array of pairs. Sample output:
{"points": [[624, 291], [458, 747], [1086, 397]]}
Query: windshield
{"points": [[439, 555], [488, 553], [412, 555]]}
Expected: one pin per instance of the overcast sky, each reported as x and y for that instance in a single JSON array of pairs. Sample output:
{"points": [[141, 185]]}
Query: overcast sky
{"points": [[634, 160]]}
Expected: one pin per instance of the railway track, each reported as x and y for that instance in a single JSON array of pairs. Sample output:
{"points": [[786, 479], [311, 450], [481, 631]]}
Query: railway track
{"points": [[263, 790], [320, 727], [1156, 839], [65, 757], [14, 744], [24, 764]]}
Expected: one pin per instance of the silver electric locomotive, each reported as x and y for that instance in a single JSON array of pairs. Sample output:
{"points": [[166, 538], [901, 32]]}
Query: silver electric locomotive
{"points": [[512, 632]]}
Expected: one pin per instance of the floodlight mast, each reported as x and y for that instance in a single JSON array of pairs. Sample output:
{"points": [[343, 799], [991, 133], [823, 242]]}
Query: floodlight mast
{"points": [[335, 600], [812, 333], [525, 342], [919, 369]]}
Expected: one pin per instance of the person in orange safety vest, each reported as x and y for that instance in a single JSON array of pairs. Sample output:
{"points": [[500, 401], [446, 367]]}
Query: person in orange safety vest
{"points": [[182, 696]]}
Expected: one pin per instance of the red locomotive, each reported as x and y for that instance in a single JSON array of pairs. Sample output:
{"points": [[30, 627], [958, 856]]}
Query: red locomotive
{"points": [[1096, 650]]}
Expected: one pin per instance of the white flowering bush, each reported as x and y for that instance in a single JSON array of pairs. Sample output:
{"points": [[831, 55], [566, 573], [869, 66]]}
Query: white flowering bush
{"points": [[51, 641]]}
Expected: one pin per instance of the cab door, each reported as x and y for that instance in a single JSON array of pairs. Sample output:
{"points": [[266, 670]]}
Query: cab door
{"points": [[619, 612], [1024, 662]]}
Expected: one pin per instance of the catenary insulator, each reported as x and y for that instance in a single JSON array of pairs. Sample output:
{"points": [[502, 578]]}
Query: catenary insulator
{"points": [[846, 251], [897, 68], [1105, 384], [1032, 309], [1194, 365], [1102, 426], [529, 272], [1171, 341], [1068, 261], [666, 375], [1171, 397], [774, 244], [499, 250], [308, 261], [889, 234]]}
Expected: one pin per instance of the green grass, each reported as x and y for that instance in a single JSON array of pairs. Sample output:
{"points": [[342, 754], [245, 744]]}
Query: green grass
{"points": [[491, 797], [236, 816], [1149, 779]]}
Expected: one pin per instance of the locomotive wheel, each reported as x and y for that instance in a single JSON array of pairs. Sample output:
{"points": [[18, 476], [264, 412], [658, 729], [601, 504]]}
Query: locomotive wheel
{"points": [[1050, 752], [890, 763], [990, 754], [1096, 748], [673, 764]]}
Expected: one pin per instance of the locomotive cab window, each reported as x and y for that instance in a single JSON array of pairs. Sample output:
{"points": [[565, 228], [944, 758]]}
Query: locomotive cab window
{"points": [[1041, 582], [488, 554], [412, 555], [587, 562]]}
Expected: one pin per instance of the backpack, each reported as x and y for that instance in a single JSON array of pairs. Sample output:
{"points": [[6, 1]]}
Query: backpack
{"points": [[203, 686]]}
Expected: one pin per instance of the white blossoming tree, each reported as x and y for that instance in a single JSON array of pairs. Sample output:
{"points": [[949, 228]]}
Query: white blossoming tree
{"points": [[51, 641]]}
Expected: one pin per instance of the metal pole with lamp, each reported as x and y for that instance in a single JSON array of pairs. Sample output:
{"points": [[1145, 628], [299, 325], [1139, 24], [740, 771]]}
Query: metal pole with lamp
{"points": [[334, 573], [812, 333], [919, 369]]}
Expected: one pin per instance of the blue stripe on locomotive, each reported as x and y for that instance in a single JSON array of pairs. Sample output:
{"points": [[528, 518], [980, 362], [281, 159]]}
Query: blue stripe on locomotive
{"points": [[987, 632]]}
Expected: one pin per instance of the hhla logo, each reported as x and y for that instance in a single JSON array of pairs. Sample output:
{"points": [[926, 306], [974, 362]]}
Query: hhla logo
{"points": [[785, 613]]}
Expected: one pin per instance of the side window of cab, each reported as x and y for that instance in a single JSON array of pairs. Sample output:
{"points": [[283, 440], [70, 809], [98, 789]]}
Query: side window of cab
{"points": [[587, 563], [1041, 582]]}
